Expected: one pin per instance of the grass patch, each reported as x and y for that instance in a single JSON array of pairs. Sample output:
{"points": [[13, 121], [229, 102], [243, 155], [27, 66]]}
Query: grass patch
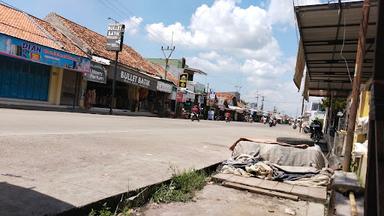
{"points": [[182, 187]]}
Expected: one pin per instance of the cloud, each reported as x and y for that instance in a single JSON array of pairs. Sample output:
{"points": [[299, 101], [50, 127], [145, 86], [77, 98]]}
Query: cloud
{"points": [[236, 44], [281, 11], [132, 25], [224, 25]]}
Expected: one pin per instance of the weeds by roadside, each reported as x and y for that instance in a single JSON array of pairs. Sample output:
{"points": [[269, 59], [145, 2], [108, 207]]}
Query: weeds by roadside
{"points": [[182, 187]]}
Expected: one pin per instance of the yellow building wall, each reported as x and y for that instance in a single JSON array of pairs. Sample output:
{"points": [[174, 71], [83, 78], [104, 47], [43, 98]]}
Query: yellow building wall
{"points": [[55, 84], [364, 104], [363, 111]]}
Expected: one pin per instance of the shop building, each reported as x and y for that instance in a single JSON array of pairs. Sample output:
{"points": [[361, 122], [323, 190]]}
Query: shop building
{"points": [[140, 85], [37, 64]]}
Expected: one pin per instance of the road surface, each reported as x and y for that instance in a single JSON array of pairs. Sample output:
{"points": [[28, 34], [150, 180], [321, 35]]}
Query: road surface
{"points": [[53, 161]]}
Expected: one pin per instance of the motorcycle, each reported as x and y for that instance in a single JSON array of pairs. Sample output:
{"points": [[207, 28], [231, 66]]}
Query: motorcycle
{"points": [[272, 122], [316, 133], [195, 116], [294, 126]]}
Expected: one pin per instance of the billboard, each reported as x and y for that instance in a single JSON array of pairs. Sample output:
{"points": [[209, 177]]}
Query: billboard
{"points": [[26, 50]]}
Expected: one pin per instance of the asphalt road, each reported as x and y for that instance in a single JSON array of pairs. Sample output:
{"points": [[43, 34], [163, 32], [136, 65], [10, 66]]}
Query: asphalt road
{"points": [[53, 161]]}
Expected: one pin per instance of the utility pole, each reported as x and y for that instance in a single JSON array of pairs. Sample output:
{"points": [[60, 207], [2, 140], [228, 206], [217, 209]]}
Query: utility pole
{"points": [[238, 88], [257, 99], [262, 103], [356, 85], [167, 54]]}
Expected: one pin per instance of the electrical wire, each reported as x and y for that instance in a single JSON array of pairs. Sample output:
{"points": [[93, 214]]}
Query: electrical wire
{"points": [[121, 11], [341, 52]]}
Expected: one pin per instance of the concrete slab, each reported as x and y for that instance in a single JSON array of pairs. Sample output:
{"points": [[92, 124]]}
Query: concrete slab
{"points": [[74, 159], [222, 201]]}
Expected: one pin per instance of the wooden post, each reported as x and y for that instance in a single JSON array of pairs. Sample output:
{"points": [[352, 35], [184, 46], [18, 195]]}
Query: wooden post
{"points": [[374, 184], [356, 86]]}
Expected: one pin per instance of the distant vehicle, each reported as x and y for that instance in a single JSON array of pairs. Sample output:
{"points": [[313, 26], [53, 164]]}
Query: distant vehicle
{"points": [[195, 116], [195, 113], [227, 117], [315, 129], [272, 122]]}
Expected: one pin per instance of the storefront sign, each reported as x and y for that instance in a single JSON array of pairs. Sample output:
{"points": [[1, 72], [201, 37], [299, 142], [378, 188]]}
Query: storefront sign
{"points": [[134, 78], [22, 49], [115, 35], [164, 87], [183, 79], [98, 73], [179, 97]]}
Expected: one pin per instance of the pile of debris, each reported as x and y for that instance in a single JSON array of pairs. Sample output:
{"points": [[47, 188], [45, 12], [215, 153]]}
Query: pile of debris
{"points": [[295, 164]]}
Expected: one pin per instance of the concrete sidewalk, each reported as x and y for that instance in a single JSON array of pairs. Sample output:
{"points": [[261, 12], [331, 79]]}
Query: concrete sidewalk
{"points": [[58, 160], [222, 201], [44, 106]]}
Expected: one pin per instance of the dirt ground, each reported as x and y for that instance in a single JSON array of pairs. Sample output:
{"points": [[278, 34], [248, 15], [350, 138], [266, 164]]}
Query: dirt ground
{"points": [[218, 200]]}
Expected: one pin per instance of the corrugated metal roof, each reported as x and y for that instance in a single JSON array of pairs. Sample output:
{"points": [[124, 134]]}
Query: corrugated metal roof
{"points": [[325, 31]]}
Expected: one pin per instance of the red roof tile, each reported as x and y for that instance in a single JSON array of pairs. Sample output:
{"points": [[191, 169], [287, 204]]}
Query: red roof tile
{"points": [[96, 43], [26, 27], [225, 95]]}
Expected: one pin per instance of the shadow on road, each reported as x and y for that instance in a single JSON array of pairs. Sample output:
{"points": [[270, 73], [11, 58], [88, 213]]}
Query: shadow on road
{"points": [[17, 201]]}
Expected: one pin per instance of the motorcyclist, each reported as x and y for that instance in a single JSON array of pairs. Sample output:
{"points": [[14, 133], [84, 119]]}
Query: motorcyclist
{"points": [[315, 128], [195, 112], [227, 116]]}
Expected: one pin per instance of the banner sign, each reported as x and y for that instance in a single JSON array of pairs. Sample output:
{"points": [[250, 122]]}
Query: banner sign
{"points": [[164, 87], [134, 78], [29, 51], [97, 74], [115, 36]]}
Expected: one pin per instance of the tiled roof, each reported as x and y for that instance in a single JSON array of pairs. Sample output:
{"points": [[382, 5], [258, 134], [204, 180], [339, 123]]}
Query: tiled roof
{"points": [[96, 43], [26, 27], [225, 95]]}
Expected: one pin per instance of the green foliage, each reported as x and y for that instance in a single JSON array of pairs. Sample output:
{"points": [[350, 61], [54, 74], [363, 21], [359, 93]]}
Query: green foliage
{"points": [[104, 211], [181, 188], [338, 104]]}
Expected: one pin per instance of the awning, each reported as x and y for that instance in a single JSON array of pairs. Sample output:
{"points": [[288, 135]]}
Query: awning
{"points": [[300, 65], [329, 35]]}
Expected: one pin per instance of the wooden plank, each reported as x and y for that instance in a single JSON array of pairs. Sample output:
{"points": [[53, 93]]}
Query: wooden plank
{"points": [[250, 181], [283, 187], [260, 191], [220, 177], [352, 201], [317, 194], [270, 185]]}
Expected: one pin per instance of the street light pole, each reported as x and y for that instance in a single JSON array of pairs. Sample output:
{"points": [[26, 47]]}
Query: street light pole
{"points": [[114, 83]]}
